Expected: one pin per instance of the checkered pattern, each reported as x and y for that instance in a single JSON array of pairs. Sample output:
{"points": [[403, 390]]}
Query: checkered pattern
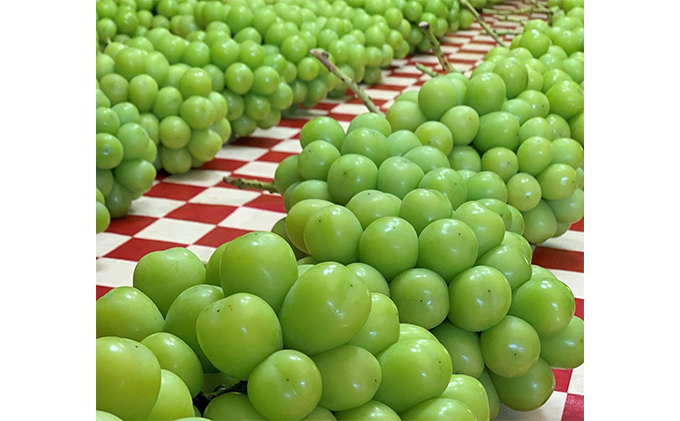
{"points": [[198, 211]]}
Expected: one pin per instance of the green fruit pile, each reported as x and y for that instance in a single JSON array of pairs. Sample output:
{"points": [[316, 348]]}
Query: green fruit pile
{"points": [[407, 330]]}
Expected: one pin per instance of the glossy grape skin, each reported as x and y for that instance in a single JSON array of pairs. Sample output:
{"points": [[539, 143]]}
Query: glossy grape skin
{"points": [[557, 181], [367, 142], [350, 174], [438, 95], [127, 312], [539, 102], [485, 93], [163, 275], [232, 405], [372, 410], [350, 376], [174, 400], [511, 347], [370, 120], [447, 181], [528, 391], [565, 349], [524, 191], [487, 225], [287, 173], [566, 99], [463, 122], [470, 391], [534, 155], [427, 158], [285, 386], [497, 129], [548, 305], [405, 115], [413, 370], [106, 416], [480, 298], [570, 209], [421, 297], [382, 328], [128, 378], [109, 151], [325, 307], [463, 347], [540, 223], [519, 108], [510, 261], [486, 184], [398, 176], [118, 200], [491, 394], [332, 233], [316, 158], [501, 161], [439, 409], [436, 134], [322, 128], [514, 75], [297, 218], [447, 246], [420, 207], [389, 244], [269, 280], [465, 157], [369, 205]]}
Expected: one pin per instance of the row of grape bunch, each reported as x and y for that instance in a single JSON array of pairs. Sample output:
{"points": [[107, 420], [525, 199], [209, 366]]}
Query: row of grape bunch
{"points": [[199, 73], [385, 322]]}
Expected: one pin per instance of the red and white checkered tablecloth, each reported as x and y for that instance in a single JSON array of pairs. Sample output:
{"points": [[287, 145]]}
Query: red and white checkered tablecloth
{"points": [[198, 211]]}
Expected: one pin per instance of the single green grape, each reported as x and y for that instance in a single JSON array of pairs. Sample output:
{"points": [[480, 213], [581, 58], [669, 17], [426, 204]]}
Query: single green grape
{"points": [[437, 95], [350, 174], [540, 223], [565, 349], [127, 312], [470, 391], [528, 391], [332, 233], [463, 347], [389, 244], [421, 297], [420, 207]]}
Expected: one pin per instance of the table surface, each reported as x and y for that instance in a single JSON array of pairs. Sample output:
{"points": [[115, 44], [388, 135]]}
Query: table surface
{"points": [[198, 211]]}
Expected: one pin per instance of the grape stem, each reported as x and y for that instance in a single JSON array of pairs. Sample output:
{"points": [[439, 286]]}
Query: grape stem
{"points": [[509, 32], [529, 9], [436, 48], [486, 27], [322, 56], [243, 183], [540, 7], [426, 70]]}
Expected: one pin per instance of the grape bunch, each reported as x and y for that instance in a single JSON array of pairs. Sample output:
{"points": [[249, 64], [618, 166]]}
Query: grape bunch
{"points": [[405, 329], [124, 156]]}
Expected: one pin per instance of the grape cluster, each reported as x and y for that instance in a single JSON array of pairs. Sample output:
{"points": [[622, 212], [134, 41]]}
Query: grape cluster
{"points": [[124, 155], [445, 324]]}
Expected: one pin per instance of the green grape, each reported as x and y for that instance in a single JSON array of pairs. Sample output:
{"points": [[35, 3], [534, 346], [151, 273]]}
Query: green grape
{"points": [[535, 79], [237, 333], [413, 371], [535, 41], [136, 175], [486, 184], [372, 410], [127, 312], [439, 409], [316, 159], [251, 54], [106, 416], [389, 244], [547, 305], [463, 123], [319, 414], [405, 115], [350, 174], [427, 158], [130, 62], [485, 92], [381, 329], [110, 151], [220, 104], [553, 77], [528, 391], [436, 134], [437, 95], [128, 378], [559, 125], [367, 142], [175, 161], [322, 128], [369, 205], [232, 405], [174, 400], [238, 78], [576, 126], [557, 181], [514, 75], [325, 307], [104, 181], [564, 349], [370, 121], [297, 218], [271, 279], [570, 209], [497, 129], [162, 275], [102, 100], [510, 348], [374, 280], [398, 176], [287, 385], [534, 155], [465, 157], [204, 144], [463, 347], [567, 151], [127, 113], [524, 191], [287, 173], [519, 108], [115, 87], [411, 96], [212, 269], [350, 376], [420, 207], [499, 207], [447, 181], [118, 200], [447, 246], [539, 102], [282, 97], [332, 233], [402, 141], [536, 126], [566, 99], [421, 297], [198, 112], [224, 52], [470, 391], [256, 107], [103, 217], [479, 298], [501, 161], [175, 355], [540, 223]]}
